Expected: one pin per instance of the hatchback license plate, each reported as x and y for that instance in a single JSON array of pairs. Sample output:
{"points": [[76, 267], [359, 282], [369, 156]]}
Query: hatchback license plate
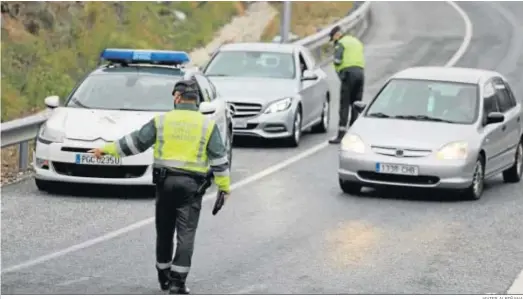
{"points": [[397, 169], [92, 160]]}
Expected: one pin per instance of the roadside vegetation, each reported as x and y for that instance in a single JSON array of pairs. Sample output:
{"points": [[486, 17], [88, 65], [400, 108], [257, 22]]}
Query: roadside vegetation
{"points": [[308, 17], [48, 46]]}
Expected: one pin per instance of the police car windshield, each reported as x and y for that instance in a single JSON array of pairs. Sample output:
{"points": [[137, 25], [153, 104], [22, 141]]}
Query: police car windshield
{"points": [[125, 91], [252, 64], [425, 100]]}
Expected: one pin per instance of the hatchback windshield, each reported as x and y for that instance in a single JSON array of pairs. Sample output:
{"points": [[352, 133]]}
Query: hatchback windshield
{"points": [[125, 91], [427, 100], [252, 64]]}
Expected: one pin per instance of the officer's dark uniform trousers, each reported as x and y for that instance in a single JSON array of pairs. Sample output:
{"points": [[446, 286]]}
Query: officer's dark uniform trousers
{"points": [[177, 209], [351, 91]]}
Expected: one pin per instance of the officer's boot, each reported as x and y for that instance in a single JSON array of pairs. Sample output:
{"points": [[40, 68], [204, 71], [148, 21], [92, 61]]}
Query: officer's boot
{"points": [[179, 289], [164, 278], [337, 139], [178, 286]]}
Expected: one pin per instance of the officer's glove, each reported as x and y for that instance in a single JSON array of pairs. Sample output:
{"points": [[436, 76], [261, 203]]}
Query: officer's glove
{"points": [[221, 197]]}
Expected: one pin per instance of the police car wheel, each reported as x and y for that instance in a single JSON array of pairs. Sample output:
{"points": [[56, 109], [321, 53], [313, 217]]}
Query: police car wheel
{"points": [[44, 185]]}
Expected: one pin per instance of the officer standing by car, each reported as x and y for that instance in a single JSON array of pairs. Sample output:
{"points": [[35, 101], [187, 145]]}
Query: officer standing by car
{"points": [[349, 63], [185, 143]]}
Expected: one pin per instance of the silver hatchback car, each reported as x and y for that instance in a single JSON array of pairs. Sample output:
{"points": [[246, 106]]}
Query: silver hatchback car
{"points": [[435, 127]]}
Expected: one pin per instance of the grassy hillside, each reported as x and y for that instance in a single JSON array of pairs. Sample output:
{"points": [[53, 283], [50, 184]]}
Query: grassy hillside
{"points": [[48, 46], [307, 17]]}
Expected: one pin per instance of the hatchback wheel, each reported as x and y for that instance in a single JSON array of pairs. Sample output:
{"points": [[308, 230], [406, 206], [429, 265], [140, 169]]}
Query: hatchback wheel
{"points": [[475, 191], [513, 174]]}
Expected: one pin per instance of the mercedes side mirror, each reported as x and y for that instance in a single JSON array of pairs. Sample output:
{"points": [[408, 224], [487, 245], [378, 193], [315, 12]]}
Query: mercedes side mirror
{"points": [[359, 106], [207, 108], [495, 117], [52, 102], [309, 75]]}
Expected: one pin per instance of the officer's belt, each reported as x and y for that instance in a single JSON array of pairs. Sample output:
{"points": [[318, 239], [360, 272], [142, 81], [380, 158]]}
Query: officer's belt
{"points": [[199, 177]]}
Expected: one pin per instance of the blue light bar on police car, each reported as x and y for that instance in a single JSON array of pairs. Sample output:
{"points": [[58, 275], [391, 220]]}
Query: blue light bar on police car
{"points": [[145, 56]]}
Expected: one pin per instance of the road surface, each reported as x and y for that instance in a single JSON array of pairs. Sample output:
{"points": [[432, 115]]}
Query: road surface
{"points": [[288, 229]]}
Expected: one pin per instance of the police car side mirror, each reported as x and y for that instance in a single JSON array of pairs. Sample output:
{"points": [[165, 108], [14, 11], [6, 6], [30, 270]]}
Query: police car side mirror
{"points": [[52, 102], [207, 108], [359, 106]]}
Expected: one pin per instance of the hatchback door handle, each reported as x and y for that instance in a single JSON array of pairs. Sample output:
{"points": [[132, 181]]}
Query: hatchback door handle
{"points": [[519, 118], [503, 128]]}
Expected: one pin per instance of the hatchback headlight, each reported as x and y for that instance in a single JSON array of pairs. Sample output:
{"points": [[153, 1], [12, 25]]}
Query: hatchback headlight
{"points": [[353, 143], [278, 106], [453, 151], [50, 134]]}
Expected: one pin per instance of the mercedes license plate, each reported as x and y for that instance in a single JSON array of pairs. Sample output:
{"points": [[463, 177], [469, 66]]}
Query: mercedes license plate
{"points": [[92, 160], [240, 124], [397, 169]]}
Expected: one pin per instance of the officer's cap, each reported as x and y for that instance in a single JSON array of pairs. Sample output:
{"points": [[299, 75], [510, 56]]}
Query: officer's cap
{"points": [[187, 89], [333, 32]]}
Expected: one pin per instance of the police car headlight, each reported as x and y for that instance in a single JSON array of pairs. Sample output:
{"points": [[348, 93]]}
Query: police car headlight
{"points": [[279, 105], [453, 151], [50, 134], [352, 143]]}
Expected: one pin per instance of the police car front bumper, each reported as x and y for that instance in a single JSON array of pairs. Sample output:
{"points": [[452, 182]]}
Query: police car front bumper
{"points": [[270, 126], [57, 162]]}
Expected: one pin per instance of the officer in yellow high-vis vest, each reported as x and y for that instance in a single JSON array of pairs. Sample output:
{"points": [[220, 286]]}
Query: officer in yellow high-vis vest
{"points": [[349, 63], [187, 145]]}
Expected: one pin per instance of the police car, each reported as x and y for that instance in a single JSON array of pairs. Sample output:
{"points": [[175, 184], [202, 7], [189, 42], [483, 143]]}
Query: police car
{"points": [[128, 89]]}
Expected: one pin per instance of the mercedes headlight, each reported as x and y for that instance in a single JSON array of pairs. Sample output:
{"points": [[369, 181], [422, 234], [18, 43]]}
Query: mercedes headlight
{"points": [[279, 105], [453, 151], [50, 134], [352, 143]]}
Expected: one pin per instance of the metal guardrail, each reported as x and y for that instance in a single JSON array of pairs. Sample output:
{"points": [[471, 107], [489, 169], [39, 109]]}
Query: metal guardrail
{"points": [[22, 131]]}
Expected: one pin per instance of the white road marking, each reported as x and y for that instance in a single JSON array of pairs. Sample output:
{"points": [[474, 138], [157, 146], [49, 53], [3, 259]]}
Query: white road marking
{"points": [[466, 39], [268, 171], [517, 286], [73, 281]]}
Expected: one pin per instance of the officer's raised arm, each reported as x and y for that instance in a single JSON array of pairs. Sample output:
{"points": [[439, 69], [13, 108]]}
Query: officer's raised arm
{"points": [[131, 144], [217, 154]]}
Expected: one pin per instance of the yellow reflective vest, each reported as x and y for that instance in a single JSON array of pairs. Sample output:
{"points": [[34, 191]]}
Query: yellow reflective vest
{"points": [[352, 53], [181, 140]]}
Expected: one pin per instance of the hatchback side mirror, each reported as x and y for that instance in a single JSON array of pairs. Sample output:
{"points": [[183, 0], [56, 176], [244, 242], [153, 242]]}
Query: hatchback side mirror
{"points": [[52, 102], [495, 117]]}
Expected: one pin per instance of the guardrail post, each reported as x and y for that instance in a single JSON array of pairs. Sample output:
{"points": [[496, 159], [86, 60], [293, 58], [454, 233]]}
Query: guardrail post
{"points": [[23, 156], [285, 23]]}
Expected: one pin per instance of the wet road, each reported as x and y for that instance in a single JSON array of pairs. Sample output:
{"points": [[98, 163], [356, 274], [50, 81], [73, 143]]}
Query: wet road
{"points": [[288, 228]]}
